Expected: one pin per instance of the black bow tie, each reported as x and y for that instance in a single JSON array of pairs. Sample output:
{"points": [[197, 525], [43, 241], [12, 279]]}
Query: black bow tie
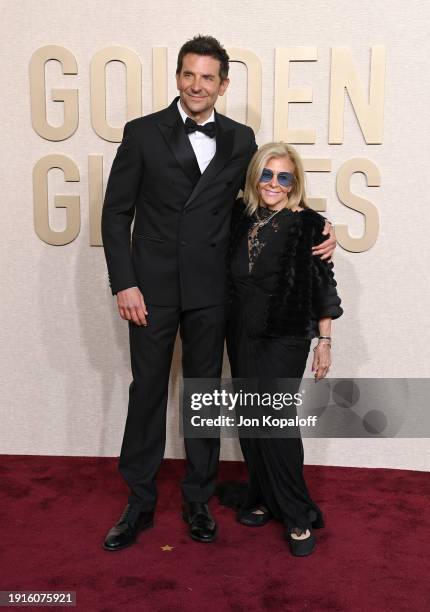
{"points": [[209, 128]]}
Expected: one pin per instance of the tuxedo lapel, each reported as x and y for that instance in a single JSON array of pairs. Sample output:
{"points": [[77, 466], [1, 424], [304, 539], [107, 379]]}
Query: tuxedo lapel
{"points": [[172, 128], [224, 147]]}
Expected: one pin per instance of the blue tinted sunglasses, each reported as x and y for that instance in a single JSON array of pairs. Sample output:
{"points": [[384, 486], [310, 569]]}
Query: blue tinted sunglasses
{"points": [[285, 179]]}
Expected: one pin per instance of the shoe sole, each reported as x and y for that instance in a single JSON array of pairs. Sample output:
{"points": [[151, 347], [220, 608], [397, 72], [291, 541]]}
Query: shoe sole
{"points": [[196, 539], [143, 528]]}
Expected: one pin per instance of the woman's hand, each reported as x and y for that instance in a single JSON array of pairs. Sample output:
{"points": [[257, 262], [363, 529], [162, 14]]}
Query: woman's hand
{"points": [[322, 360]]}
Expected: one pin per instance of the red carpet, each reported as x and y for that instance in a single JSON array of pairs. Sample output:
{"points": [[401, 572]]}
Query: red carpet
{"points": [[373, 553]]}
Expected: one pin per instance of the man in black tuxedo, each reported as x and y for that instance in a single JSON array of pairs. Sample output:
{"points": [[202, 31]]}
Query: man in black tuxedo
{"points": [[177, 173]]}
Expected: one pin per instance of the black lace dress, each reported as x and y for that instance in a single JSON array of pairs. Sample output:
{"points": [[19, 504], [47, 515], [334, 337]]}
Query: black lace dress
{"points": [[266, 253]]}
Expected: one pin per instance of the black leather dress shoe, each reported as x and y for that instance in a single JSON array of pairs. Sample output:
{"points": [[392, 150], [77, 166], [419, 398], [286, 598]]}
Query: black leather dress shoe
{"points": [[251, 519], [202, 526], [125, 531]]}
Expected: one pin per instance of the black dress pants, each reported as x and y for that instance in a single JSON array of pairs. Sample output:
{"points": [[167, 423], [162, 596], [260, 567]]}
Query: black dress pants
{"points": [[275, 465], [202, 333]]}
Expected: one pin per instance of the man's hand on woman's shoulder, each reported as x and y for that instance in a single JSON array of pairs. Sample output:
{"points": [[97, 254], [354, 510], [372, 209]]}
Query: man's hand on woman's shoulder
{"points": [[325, 249]]}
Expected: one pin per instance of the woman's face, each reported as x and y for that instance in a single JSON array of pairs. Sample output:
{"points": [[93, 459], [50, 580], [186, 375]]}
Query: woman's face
{"points": [[272, 193]]}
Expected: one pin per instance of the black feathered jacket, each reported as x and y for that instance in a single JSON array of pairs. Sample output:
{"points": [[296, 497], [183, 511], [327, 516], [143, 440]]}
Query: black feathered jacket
{"points": [[288, 289]]}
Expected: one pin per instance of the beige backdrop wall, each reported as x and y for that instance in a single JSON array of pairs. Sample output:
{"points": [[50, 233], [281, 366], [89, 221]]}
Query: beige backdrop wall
{"points": [[64, 354]]}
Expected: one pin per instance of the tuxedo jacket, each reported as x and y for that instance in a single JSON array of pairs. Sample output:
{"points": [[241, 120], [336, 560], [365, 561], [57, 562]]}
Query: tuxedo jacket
{"points": [[177, 251]]}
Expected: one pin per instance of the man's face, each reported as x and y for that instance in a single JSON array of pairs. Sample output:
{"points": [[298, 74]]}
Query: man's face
{"points": [[199, 84]]}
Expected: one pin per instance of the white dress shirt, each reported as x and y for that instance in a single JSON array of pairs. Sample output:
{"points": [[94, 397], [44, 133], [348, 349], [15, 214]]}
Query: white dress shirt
{"points": [[203, 146]]}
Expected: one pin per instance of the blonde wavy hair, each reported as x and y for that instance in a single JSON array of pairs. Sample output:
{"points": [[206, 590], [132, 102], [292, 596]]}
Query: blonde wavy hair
{"points": [[297, 195]]}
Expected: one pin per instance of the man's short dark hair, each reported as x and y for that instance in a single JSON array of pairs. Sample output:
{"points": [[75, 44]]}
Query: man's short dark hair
{"points": [[205, 45]]}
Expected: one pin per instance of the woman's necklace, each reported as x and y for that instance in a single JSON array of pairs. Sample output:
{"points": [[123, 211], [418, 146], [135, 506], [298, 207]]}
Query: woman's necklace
{"points": [[265, 221]]}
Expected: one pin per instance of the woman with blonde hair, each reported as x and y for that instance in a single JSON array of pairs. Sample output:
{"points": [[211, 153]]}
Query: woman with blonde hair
{"points": [[282, 296]]}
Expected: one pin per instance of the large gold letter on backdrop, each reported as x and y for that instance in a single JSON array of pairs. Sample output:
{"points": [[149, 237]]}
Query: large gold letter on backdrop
{"points": [[284, 94], [361, 205], [95, 197], [253, 94], [317, 165], [369, 109], [69, 202], [98, 89], [69, 97], [159, 78]]}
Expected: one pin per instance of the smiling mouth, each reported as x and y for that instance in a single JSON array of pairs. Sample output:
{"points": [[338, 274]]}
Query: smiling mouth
{"points": [[270, 192]]}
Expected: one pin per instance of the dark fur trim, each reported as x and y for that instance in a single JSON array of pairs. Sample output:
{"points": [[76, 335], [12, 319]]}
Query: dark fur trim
{"points": [[305, 288]]}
